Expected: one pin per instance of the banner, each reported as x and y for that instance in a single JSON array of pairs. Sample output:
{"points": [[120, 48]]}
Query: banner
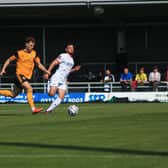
{"points": [[131, 96], [44, 98], [142, 96]]}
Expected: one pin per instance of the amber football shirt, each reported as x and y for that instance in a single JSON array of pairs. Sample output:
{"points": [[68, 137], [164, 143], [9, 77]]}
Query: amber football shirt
{"points": [[25, 62]]}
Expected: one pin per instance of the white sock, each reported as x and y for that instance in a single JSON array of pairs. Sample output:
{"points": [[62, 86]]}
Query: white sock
{"points": [[54, 104], [33, 108]]}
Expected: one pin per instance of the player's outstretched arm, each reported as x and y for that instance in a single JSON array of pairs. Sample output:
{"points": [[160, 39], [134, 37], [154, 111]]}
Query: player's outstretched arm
{"points": [[42, 68], [51, 66], [3, 71], [76, 68]]}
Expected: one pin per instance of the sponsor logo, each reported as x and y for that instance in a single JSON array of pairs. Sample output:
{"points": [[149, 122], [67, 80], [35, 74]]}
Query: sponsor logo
{"points": [[97, 97]]}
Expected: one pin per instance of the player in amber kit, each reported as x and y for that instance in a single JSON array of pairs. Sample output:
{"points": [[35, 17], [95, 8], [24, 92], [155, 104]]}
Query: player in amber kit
{"points": [[26, 59]]}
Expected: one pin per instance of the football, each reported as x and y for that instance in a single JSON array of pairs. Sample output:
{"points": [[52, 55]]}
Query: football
{"points": [[73, 110]]}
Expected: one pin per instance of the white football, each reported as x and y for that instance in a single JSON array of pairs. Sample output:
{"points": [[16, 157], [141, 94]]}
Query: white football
{"points": [[73, 110]]}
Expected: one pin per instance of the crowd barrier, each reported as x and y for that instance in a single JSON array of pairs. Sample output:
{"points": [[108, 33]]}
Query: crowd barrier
{"points": [[88, 87]]}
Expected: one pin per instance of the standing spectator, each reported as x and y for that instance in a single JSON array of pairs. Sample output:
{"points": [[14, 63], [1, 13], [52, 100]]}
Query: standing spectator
{"points": [[154, 78], [107, 79], [126, 79], [140, 79]]}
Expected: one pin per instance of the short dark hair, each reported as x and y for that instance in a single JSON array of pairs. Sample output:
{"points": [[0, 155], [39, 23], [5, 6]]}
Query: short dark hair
{"points": [[69, 43], [30, 39], [142, 68], [155, 67]]}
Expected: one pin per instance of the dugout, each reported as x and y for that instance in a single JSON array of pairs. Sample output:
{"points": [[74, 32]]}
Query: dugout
{"points": [[106, 33]]}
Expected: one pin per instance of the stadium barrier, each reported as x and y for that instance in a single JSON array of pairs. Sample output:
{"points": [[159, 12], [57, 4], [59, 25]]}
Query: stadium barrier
{"points": [[79, 92], [89, 87]]}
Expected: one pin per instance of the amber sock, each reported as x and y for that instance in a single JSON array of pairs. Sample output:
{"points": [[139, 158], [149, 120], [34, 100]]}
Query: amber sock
{"points": [[30, 99]]}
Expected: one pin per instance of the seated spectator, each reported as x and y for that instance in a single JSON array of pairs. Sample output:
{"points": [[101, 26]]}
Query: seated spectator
{"points": [[91, 77], [140, 79], [165, 76], [154, 78], [126, 79], [108, 78]]}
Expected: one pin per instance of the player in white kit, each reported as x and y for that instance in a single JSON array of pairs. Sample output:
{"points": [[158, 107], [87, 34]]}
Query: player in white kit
{"points": [[58, 81]]}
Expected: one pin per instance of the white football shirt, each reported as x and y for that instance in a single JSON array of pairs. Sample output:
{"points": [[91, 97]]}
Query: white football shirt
{"points": [[66, 63]]}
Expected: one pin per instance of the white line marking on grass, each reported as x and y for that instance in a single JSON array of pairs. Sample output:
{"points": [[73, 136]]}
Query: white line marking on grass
{"points": [[73, 156]]}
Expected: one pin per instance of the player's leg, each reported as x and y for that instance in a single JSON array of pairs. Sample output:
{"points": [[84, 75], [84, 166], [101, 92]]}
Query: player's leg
{"points": [[16, 90], [29, 90], [7, 93], [11, 93], [57, 101], [52, 90]]}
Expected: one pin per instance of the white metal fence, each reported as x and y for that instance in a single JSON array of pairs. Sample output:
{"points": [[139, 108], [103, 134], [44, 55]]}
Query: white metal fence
{"points": [[87, 87]]}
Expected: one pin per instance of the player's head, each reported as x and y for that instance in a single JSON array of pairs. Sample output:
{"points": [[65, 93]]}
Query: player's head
{"points": [[70, 48], [30, 43]]}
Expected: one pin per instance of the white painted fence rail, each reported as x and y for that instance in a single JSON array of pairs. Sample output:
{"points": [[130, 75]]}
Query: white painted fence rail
{"points": [[88, 87]]}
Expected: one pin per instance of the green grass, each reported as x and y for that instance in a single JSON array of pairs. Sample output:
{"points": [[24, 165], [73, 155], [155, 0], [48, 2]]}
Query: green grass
{"points": [[100, 136]]}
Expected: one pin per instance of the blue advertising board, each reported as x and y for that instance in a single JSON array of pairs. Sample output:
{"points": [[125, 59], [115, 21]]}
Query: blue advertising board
{"points": [[44, 98]]}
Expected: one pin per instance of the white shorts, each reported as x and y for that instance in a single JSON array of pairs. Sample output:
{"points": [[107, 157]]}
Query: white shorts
{"points": [[57, 82]]}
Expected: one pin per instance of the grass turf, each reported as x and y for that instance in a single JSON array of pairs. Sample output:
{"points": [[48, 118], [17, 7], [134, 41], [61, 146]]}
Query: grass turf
{"points": [[101, 136]]}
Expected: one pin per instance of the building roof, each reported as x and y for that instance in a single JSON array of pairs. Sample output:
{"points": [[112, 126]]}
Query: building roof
{"points": [[11, 3], [82, 11]]}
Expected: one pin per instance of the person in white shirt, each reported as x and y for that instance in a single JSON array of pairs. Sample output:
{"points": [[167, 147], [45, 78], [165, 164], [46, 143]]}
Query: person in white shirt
{"points": [[58, 81], [154, 78], [107, 79]]}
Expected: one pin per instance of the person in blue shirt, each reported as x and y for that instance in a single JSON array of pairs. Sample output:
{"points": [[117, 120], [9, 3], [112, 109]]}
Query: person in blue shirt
{"points": [[126, 79]]}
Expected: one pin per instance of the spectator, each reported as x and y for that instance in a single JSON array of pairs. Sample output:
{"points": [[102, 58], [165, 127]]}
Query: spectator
{"points": [[154, 78], [126, 79], [99, 77], [91, 77], [166, 75], [140, 79], [107, 79]]}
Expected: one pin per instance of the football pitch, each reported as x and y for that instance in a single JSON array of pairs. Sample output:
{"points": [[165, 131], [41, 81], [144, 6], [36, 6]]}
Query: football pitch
{"points": [[102, 135]]}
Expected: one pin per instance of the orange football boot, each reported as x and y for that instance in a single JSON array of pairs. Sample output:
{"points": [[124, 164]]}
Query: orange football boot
{"points": [[37, 110]]}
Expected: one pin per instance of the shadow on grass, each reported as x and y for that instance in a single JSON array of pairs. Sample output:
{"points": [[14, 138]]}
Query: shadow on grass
{"points": [[87, 149]]}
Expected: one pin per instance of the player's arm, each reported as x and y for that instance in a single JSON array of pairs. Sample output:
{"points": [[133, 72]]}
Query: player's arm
{"points": [[76, 68], [41, 66], [51, 66], [7, 62]]}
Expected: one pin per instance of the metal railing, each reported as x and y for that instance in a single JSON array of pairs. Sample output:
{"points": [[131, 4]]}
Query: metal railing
{"points": [[87, 87]]}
